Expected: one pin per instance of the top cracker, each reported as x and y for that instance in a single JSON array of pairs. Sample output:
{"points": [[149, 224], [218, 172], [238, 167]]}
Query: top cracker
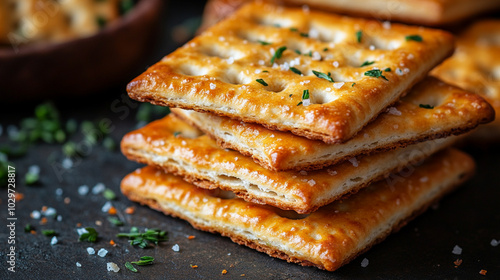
{"points": [[317, 75]]}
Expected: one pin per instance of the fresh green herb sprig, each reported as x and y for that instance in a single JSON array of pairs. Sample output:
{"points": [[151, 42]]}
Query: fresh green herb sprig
{"points": [[416, 38], [262, 82], [143, 239], [295, 70], [109, 194], [91, 235], [278, 53], [324, 76], [145, 260], [115, 221], [49, 232], [376, 74]]}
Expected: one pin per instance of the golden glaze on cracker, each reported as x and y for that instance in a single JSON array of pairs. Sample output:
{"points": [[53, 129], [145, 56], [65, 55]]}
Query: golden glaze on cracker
{"points": [[327, 238], [219, 70], [475, 66], [174, 146]]}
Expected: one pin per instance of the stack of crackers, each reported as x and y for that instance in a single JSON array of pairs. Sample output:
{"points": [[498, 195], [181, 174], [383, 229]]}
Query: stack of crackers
{"points": [[305, 135]]}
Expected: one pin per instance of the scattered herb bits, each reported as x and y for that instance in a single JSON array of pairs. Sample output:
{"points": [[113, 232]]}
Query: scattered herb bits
{"points": [[262, 82], [366, 63], [90, 236], [49, 232], [278, 53], [28, 228], [387, 69], [416, 38], [376, 74], [146, 260], [264, 43], [143, 239], [359, 36], [130, 267], [295, 70], [115, 221], [109, 194], [426, 106]]}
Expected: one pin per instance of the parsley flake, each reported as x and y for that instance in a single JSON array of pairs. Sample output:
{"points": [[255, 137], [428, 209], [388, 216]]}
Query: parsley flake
{"points": [[28, 228], [353, 84], [177, 133], [416, 38], [323, 76], [146, 260], [109, 194], [264, 43], [297, 52], [295, 70], [90, 235], [143, 239], [325, 49], [375, 73], [305, 94], [262, 82], [130, 267], [300, 103], [426, 106], [310, 53], [304, 34], [278, 53], [49, 232], [115, 221], [359, 36], [293, 29], [387, 69], [366, 63]]}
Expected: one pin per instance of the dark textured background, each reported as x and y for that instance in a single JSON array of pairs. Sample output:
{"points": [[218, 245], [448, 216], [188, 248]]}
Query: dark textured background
{"points": [[469, 217]]}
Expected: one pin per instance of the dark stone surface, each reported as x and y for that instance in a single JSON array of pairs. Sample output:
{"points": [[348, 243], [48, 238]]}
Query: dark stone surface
{"points": [[469, 217]]}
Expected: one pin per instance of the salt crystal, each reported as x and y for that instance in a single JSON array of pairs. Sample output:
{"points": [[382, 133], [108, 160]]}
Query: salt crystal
{"points": [[494, 242], [261, 62], [229, 254], [98, 188], [311, 182], [457, 250], [406, 70], [112, 267], [230, 60], [49, 212], [222, 38], [59, 218], [36, 215], [338, 85], [59, 191], [90, 250], [257, 71], [313, 33], [34, 169], [354, 161], [53, 241], [212, 85], [335, 64], [365, 262], [83, 190], [67, 163], [316, 56], [183, 142], [399, 72], [81, 231], [386, 25], [105, 208], [306, 102], [410, 56], [328, 89], [102, 252], [372, 47], [394, 111], [78, 264], [175, 248]]}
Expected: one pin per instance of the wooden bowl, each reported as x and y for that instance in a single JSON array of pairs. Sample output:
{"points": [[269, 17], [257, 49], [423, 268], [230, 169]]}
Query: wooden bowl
{"points": [[80, 66]]}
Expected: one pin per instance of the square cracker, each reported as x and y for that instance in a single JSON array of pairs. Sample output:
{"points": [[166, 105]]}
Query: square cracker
{"points": [[226, 69], [455, 111], [475, 66], [327, 238], [182, 150]]}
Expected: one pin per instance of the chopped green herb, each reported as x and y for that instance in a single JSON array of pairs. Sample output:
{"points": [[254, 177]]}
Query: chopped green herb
{"points": [[262, 82], [293, 29], [60, 136], [323, 76], [101, 22], [126, 6], [353, 84], [304, 34], [130, 267], [295, 70], [49, 232], [109, 194], [310, 53], [90, 235], [69, 149], [115, 221], [28, 228], [145, 260], [305, 94], [290, 95], [325, 49], [31, 178], [366, 63], [265, 71], [387, 69], [416, 38], [300, 103], [426, 106], [278, 53], [143, 239], [297, 52], [264, 43], [375, 73], [109, 143], [177, 133], [359, 36]]}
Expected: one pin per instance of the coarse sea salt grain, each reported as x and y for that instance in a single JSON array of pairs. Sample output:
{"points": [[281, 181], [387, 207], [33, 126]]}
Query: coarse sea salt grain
{"points": [[338, 85], [494, 242], [212, 86], [35, 169], [59, 218], [36, 215], [112, 267], [311, 182], [59, 191], [102, 252], [306, 102], [457, 250], [49, 212], [98, 188], [83, 190], [78, 264], [81, 231], [105, 208], [67, 163], [90, 250], [386, 25], [53, 241], [394, 111], [175, 248], [354, 162], [365, 262]]}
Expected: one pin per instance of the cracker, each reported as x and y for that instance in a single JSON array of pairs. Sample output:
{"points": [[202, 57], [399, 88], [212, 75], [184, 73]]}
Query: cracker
{"points": [[454, 112], [229, 70], [425, 12], [327, 238], [179, 149], [475, 66]]}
